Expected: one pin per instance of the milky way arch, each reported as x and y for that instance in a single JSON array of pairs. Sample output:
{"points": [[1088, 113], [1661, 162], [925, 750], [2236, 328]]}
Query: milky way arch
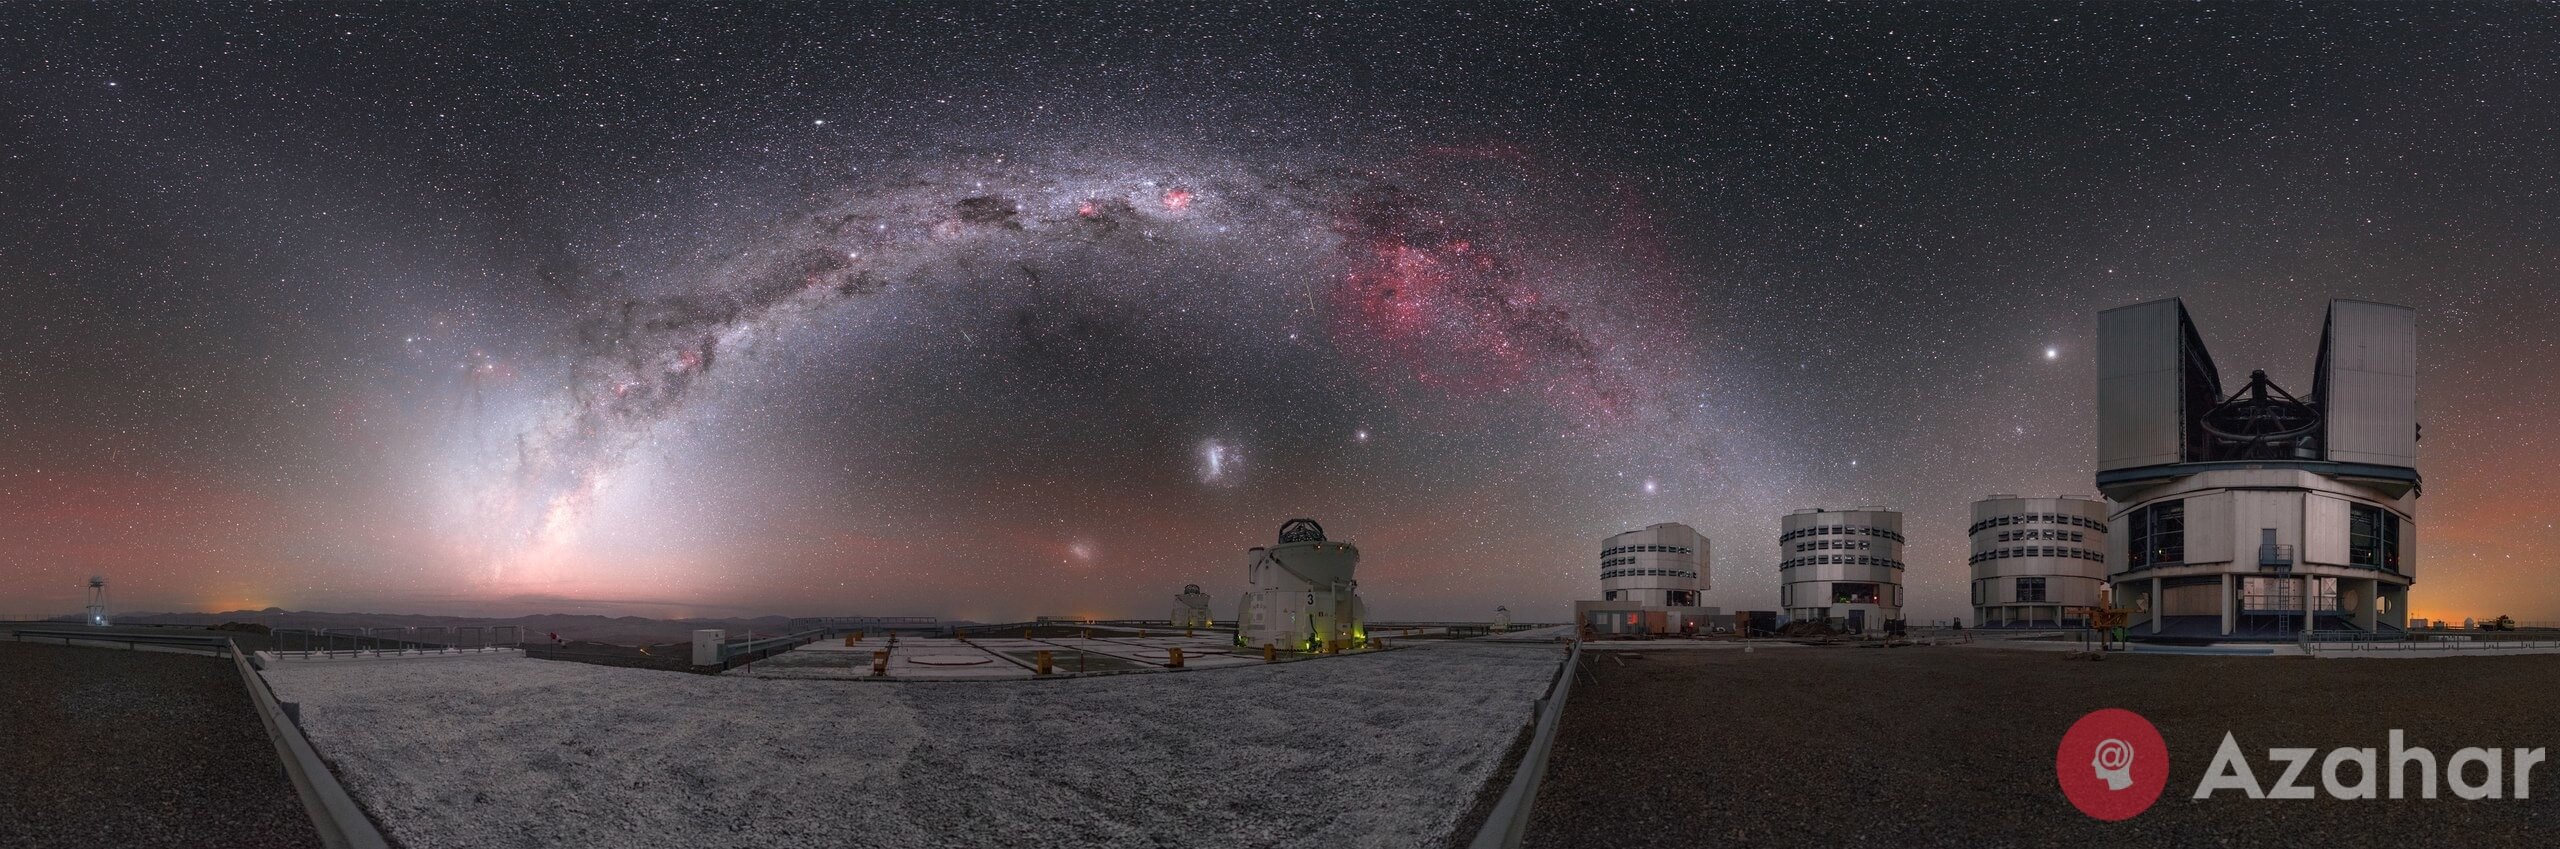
{"points": [[1418, 283]]}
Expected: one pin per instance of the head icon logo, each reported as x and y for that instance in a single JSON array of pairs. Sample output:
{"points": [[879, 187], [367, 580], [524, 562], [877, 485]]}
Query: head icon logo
{"points": [[2112, 764]]}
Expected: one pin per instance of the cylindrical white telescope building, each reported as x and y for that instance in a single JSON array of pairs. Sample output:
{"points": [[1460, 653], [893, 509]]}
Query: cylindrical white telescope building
{"points": [[2036, 558], [1663, 565], [1842, 567], [1650, 581]]}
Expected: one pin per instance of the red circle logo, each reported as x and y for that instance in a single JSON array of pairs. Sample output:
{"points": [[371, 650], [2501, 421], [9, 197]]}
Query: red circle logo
{"points": [[2112, 764]]}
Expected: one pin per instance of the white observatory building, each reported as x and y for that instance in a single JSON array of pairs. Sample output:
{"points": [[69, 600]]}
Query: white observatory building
{"points": [[1841, 566], [2256, 511], [1650, 581], [2034, 559], [1303, 595], [1191, 608]]}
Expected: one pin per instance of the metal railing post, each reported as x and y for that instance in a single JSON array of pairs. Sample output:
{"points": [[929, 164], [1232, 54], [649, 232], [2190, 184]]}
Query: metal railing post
{"points": [[341, 823]]}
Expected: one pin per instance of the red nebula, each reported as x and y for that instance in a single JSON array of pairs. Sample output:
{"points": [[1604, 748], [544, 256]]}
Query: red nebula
{"points": [[1177, 199], [1449, 308]]}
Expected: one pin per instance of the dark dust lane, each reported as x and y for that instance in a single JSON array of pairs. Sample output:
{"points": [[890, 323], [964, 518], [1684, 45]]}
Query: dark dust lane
{"points": [[1956, 747], [104, 747]]}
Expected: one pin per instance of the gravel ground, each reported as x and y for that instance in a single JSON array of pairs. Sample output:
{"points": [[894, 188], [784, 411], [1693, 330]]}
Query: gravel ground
{"points": [[1955, 747], [1380, 750], [104, 747]]}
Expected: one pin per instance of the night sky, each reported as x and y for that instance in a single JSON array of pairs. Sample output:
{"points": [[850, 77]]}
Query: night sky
{"points": [[991, 311]]}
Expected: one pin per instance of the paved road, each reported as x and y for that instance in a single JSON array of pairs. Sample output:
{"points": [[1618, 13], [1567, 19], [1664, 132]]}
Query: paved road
{"points": [[1913, 747], [102, 747]]}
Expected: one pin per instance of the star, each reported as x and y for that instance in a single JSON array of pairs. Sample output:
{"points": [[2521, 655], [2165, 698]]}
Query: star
{"points": [[1032, 306]]}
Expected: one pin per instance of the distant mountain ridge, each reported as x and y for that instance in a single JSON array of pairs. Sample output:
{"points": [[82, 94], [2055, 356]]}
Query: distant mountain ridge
{"points": [[627, 630]]}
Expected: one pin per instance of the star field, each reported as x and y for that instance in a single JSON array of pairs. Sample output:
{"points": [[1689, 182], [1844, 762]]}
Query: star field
{"points": [[999, 310]]}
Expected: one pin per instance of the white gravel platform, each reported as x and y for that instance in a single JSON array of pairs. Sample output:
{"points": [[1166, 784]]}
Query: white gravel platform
{"points": [[934, 658], [1383, 749]]}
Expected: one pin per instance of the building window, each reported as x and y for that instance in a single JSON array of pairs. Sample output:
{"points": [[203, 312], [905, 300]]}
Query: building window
{"points": [[2031, 589], [2157, 534], [2373, 537], [1857, 593]]}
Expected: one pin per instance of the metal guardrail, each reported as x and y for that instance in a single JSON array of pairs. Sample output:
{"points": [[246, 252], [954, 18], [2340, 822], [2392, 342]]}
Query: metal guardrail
{"points": [[760, 649], [374, 642], [340, 822], [746, 647], [805, 623], [334, 814], [2430, 644], [1509, 821], [1227, 625], [1002, 627], [214, 646]]}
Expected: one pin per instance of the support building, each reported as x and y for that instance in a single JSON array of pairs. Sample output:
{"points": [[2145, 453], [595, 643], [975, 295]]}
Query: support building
{"points": [[2255, 511]]}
